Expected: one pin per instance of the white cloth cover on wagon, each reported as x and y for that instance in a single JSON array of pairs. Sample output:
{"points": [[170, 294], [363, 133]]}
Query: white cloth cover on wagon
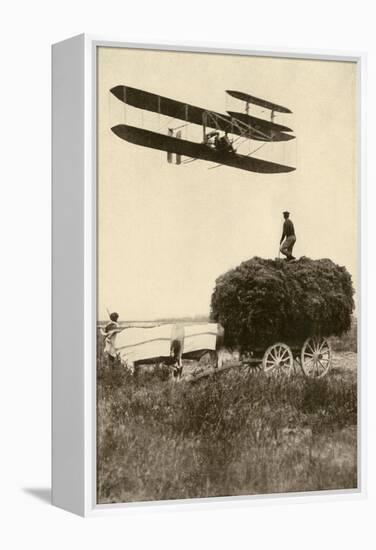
{"points": [[138, 344]]}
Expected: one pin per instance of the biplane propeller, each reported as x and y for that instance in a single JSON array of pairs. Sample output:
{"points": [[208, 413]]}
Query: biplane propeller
{"points": [[218, 150]]}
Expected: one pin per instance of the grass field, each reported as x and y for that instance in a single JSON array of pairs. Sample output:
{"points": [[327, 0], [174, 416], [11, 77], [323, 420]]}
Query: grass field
{"points": [[233, 434]]}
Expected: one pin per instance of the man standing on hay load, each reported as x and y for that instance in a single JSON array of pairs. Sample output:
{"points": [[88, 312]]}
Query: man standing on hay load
{"points": [[288, 236]]}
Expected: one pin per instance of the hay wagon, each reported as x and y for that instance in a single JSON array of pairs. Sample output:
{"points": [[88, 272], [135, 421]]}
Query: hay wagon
{"points": [[314, 356], [280, 314]]}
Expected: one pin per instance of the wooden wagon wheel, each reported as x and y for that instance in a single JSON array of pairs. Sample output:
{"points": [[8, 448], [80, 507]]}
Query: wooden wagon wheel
{"points": [[316, 357], [278, 358]]}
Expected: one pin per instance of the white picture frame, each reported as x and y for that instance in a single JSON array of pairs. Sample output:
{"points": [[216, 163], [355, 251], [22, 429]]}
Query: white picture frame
{"points": [[74, 276]]}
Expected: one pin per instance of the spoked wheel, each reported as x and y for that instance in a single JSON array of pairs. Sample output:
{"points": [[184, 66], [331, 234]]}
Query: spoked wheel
{"points": [[248, 363], [316, 357], [278, 358]]}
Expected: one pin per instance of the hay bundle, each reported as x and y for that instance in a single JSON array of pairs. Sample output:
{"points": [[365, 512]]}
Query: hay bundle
{"points": [[261, 302]]}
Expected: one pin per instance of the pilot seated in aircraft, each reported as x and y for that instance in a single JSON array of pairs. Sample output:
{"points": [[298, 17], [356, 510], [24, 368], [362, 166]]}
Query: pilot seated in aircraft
{"points": [[221, 144], [211, 138], [224, 144]]}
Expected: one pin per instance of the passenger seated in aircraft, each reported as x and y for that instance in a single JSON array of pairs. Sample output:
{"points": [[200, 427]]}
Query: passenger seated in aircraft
{"points": [[211, 138], [224, 144]]}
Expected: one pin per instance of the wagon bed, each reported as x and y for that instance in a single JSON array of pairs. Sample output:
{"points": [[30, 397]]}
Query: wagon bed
{"points": [[314, 357]]}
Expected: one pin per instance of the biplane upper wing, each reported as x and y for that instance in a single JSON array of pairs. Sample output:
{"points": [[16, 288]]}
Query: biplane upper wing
{"points": [[195, 115], [154, 140], [258, 101], [159, 104]]}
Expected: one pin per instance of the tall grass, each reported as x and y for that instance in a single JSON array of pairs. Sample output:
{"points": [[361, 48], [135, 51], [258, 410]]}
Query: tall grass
{"points": [[231, 434], [348, 341]]}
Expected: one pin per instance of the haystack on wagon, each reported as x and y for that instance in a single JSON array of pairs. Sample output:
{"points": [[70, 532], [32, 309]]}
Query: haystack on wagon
{"points": [[275, 312]]}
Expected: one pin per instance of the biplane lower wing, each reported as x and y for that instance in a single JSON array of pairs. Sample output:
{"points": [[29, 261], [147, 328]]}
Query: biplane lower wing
{"points": [[274, 137], [154, 140], [192, 114]]}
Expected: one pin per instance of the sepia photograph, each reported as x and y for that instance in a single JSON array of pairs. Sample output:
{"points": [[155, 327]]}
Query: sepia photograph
{"points": [[227, 275]]}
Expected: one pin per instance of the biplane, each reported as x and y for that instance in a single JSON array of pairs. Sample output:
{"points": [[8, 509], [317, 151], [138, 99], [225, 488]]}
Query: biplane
{"points": [[214, 147]]}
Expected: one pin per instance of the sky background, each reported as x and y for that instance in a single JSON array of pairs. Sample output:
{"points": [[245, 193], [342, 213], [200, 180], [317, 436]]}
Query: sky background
{"points": [[166, 232]]}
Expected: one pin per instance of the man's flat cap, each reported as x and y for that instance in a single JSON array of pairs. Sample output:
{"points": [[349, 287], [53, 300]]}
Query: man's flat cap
{"points": [[285, 212]]}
